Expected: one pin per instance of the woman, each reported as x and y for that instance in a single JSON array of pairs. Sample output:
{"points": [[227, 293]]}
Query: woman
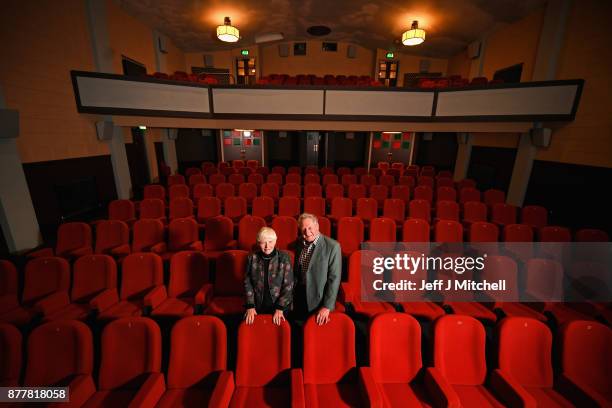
{"points": [[269, 279]]}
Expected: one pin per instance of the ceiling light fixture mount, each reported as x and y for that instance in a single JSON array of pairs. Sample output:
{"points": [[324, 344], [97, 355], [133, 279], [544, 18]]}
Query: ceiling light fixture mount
{"points": [[227, 32], [414, 36]]}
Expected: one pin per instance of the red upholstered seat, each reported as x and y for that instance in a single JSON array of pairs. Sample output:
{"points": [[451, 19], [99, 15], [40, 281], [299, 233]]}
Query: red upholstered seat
{"points": [[219, 236], [188, 275], [148, 235], [130, 367], [585, 363], [235, 208], [113, 238], [152, 208], [286, 229], [350, 235], [93, 275], [142, 273], [289, 206], [122, 210], [420, 208], [351, 289], [226, 296], [395, 360], [263, 207], [530, 377], [330, 374], [9, 286], [46, 280], [460, 369], [10, 355], [197, 373], [534, 215], [382, 229], [60, 354], [178, 191], [272, 383], [314, 205], [73, 240], [248, 228]]}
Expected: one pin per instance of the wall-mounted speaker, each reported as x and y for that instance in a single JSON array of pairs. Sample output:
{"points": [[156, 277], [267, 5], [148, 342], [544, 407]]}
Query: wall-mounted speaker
{"points": [[428, 136], [105, 130], [424, 65], [283, 50], [209, 60], [473, 50], [540, 137], [9, 123], [162, 44], [351, 51]]}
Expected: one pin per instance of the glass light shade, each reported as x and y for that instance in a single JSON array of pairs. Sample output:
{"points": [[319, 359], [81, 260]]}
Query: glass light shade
{"points": [[228, 33], [413, 37]]}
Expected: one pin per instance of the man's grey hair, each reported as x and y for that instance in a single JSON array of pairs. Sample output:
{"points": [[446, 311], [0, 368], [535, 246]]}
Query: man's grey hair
{"points": [[305, 216]]}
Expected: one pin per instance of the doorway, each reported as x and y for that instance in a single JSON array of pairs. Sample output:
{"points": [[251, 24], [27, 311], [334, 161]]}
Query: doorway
{"points": [[347, 149], [137, 161], [437, 149]]}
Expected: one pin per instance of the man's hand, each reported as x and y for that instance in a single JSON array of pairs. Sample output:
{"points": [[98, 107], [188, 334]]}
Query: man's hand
{"points": [[322, 316], [278, 317], [249, 316]]}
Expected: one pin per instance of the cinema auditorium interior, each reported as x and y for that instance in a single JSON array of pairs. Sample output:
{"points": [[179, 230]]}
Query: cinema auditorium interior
{"points": [[145, 144]]}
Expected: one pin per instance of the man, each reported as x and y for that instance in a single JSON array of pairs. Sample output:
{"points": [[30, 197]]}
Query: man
{"points": [[317, 272]]}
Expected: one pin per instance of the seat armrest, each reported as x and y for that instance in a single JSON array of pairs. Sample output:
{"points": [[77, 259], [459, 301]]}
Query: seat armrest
{"points": [[81, 388], [120, 250], [195, 246], [369, 391], [233, 244], [439, 390], [52, 303], [204, 295], [156, 296], [159, 248], [579, 393], [104, 300], [297, 389], [347, 292], [150, 392], [78, 252], [510, 392], [224, 389], [39, 253]]}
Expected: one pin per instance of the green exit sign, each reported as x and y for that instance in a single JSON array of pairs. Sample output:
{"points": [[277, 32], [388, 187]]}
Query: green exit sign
{"points": [[390, 55], [244, 52]]}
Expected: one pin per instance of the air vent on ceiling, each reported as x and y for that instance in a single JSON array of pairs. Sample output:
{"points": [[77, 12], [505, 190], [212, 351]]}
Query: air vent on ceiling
{"points": [[318, 31]]}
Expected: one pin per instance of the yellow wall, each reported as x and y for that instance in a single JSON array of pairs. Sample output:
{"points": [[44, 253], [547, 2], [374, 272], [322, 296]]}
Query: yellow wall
{"points": [[316, 61], [129, 37], [514, 44], [411, 63], [41, 43], [587, 140], [175, 58], [225, 59], [460, 64]]}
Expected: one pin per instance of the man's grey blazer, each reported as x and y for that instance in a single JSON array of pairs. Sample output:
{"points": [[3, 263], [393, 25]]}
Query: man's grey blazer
{"points": [[324, 273]]}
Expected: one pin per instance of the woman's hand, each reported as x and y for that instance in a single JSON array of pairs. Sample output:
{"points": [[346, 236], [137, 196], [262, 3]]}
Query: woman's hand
{"points": [[278, 317], [249, 316]]}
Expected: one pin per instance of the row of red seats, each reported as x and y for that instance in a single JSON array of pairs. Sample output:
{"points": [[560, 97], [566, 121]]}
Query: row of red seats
{"points": [[130, 369], [185, 77], [327, 80], [47, 280], [238, 166], [455, 81]]}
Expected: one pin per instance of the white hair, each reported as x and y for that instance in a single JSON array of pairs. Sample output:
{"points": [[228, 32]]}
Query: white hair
{"points": [[266, 232]]}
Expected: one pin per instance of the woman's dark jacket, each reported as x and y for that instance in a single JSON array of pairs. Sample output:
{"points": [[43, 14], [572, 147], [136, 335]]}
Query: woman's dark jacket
{"points": [[280, 280]]}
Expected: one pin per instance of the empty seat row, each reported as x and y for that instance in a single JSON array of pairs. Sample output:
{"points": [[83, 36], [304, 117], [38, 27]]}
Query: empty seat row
{"points": [[130, 364]]}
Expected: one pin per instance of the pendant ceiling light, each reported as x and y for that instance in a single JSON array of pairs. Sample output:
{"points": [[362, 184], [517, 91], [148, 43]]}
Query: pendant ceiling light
{"points": [[414, 36], [227, 32]]}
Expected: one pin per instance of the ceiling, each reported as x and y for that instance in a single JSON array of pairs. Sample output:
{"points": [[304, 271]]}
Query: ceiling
{"points": [[450, 24]]}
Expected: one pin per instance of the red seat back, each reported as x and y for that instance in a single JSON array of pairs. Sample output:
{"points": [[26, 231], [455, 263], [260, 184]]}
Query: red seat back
{"points": [[58, 351], [131, 348], [277, 349], [197, 351]]}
